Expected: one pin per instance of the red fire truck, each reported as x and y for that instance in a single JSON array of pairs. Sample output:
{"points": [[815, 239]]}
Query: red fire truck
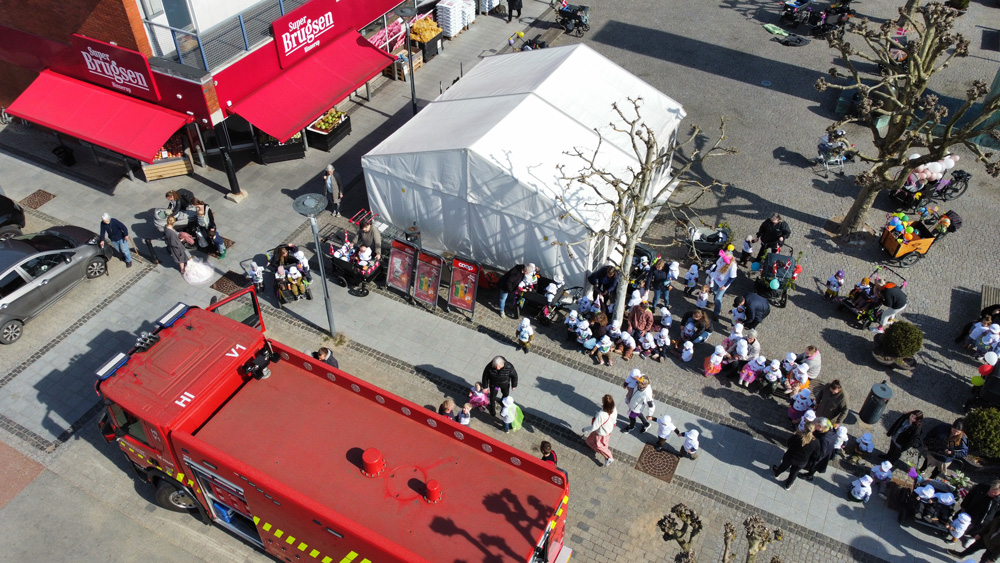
{"points": [[309, 463]]}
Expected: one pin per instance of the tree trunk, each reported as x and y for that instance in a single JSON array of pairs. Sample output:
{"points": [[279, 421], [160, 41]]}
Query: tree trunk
{"points": [[623, 276], [855, 219]]}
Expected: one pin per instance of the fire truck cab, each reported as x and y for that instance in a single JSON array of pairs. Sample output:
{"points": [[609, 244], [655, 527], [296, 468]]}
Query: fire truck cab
{"points": [[309, 463]]}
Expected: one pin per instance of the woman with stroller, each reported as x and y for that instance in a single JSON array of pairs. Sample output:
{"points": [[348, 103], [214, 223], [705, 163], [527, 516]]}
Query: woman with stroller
{"points": [[369, 236], [772, 232], [893, 300]]}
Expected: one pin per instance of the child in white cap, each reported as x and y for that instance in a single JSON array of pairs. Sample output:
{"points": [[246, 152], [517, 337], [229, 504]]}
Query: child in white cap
{"points": [[666, 319], [662, 340], [295, 283], [713, 363], [508, 413], [842, 438], [602, 351], [626, 345], [959, 526], [529, 280], [630, 383], [688, 352], [987, 341], [572, 319], [861, 489], [738, 314], [882, 474], [363, 258], [690, 446], [751, 370], [925, 508], [771, 378], [863, 447], [583, 307], [553, 288], [691, 279], [583, 332], [735, 335], [801, 402], [648, 343], [978, 331], [789, 364], [809, 416], [524, 334], [747, 252], [704, 295], [945, 508], [302, 264], [663, 431], [614, 331], [797, 380]]}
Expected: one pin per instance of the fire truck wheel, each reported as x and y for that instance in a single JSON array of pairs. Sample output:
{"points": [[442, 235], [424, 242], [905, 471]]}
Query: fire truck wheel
{"points": [[172, 498]]}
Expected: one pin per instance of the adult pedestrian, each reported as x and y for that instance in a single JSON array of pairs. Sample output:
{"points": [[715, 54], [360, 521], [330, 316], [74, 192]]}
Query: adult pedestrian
{"points": [[499, 377], [605, 282], [757, 309], [812, 358], [988, 538], [659, 283], [695, 327], [369, 236], [325, 355], [508, 284], [721, 276], [513, 6], [903, 433], [802, 448], [117, 234], [206, 225], [640, 405], [893, 301], [982, 504], [827, 439], [177, 202], [771, 234], [945, 443], [831, 403], [174, 246], [639, 321], [334, 189], [599, 431]]}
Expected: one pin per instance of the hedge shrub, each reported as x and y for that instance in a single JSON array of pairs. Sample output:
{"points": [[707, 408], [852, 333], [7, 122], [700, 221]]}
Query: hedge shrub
{"points": [[983, 427]]}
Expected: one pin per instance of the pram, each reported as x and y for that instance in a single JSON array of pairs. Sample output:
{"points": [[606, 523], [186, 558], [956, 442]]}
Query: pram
{"points": [[867, 311], [642, 253], [282, 290], [346, 271], [534, 303], [704, 243], [833, 150], [572, 17], [777, 276], [909, 505]]}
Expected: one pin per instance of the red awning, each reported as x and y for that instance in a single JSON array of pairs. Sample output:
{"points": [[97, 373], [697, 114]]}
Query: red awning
{"points": [[299, 95], [97, 115]]}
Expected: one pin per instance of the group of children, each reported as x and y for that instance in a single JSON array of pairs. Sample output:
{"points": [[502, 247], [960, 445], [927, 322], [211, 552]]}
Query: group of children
{"points": [[479, 398], [654, 344], [362, 257], [983, 338], [293, 278]]}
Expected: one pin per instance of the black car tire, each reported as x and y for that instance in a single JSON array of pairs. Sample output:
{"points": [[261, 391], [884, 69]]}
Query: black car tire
{"points": [[174, 498], [9, 231], [97, 267], [11, 331]]}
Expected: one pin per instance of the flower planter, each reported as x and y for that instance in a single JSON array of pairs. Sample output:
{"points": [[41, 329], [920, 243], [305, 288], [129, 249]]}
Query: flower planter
{"points": [[325, 140], [901, 364]]}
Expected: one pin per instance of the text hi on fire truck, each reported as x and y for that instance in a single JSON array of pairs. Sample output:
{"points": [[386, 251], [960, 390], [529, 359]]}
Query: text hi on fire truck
{"points": [[308, 463]]}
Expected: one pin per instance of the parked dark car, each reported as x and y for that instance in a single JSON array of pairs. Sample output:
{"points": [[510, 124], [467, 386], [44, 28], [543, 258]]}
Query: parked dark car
{"points": [[11, 218], [36, 270]]}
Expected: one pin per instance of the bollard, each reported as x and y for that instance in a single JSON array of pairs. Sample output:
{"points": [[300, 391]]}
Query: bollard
{"points": [[875, 404]]}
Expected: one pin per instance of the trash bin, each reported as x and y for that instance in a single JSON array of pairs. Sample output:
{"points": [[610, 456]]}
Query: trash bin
{"points": [[875, 404], [65, 155], [413, 234]]}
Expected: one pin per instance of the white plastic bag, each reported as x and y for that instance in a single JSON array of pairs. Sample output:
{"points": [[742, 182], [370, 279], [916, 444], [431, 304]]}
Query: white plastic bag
{"points": [[198, 272]]}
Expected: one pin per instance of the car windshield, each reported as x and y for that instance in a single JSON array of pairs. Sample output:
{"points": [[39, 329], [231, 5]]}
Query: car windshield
{"points": [[43, 242]]}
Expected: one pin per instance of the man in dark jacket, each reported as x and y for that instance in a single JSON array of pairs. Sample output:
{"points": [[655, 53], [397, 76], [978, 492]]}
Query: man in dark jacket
{"points": [[499, 377], [508, 284], [831, 402], [982, 504], [893, 300], [605, 281], [117, 233], [757, 309], [772, 232]]}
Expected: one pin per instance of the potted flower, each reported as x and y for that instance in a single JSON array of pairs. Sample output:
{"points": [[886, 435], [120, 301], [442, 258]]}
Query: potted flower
{"points": [[898, 345]]}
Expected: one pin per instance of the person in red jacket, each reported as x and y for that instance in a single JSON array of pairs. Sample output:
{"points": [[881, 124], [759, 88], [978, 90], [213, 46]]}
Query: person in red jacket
{"points": [[639, 321]]}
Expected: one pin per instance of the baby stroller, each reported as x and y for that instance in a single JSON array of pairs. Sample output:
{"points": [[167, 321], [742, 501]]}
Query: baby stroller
{"points": [[533, 303], [643, 259], [865, 306], [572, 17], [911, 504], [833, 150], [706, 242], [795, 12], [347, 271], [282, 290], [777, 275]]}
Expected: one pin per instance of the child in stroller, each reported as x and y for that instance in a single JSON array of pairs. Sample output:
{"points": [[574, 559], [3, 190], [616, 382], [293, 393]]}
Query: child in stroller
{"points": [[364, 262]]}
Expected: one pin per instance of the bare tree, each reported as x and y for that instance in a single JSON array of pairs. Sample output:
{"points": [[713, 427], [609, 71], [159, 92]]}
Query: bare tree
{"points": [[728, 537], [897, 99], [758, 536], [681, 525], [634, 197]]}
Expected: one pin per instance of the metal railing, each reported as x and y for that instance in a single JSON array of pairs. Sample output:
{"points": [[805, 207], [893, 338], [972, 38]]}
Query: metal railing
{"points": [[224, 42]]}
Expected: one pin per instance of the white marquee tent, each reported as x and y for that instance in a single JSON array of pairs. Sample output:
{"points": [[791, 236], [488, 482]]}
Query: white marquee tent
{"points": [[477, 168]]}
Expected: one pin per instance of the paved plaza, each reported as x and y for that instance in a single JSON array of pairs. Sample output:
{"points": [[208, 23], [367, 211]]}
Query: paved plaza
{"points": [[716, 60]]}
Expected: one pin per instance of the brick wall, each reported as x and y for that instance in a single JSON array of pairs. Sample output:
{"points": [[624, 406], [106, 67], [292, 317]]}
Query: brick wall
{"points": [[106, 20], [13, 81]]}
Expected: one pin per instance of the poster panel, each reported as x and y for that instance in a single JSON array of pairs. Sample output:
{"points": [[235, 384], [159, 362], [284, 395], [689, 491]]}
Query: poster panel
{"points": [[400, 270], [464, 283], [428, 278]]}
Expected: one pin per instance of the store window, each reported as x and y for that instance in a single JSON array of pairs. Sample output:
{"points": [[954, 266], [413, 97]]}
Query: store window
{"points": [[151, 8]]}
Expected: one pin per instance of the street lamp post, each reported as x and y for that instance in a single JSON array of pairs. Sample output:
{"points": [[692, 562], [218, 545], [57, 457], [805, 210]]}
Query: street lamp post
{"points": [[310, 205], [407, 13]]}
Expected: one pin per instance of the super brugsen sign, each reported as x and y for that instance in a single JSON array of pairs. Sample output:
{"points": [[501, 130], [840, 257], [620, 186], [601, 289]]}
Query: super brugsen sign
{"points": [[112, 67], [301, 31]]}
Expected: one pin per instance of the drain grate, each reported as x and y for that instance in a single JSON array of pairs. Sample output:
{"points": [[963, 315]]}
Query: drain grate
{"points": [[229, 244], [37, 199], [657, 464], [230, 283]]}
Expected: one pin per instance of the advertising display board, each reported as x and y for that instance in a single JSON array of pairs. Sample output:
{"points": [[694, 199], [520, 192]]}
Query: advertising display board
{"points": [[464, 283], [319, 22], [110, 66], [400, 271], [428, 278]]}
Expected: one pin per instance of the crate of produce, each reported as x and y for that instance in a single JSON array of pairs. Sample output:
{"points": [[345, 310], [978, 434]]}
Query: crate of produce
{"points": [[400, 69]]}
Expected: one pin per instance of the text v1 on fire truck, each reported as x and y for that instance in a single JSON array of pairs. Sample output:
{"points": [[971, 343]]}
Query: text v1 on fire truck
{"points": [[309, 463]]}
